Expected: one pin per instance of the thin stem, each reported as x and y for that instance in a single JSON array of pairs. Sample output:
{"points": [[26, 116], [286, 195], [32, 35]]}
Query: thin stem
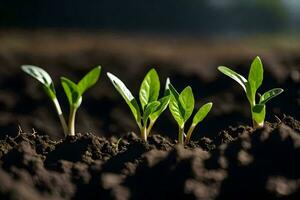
{"points": [[60, 116], [258, 119], [72, 120], [144, 133], [189, 134], [150, 127], [181, 135]]}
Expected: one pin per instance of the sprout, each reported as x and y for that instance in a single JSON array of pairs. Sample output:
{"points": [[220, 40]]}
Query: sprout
{"points": [[43, 77], [182, 107], [250, 86], [150, 107], [73, 91]]}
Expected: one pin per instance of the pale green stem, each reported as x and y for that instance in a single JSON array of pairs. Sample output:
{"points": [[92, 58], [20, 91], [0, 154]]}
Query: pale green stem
{"points": [[72, 120], [60, 115], [189, 133], [254, 122], [181, 135], [144, 133], [150, 127], [257, 124], [139, 125]]}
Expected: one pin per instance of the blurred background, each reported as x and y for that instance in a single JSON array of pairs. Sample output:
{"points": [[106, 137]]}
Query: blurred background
{"points": [[185, 40], [205, 17]]}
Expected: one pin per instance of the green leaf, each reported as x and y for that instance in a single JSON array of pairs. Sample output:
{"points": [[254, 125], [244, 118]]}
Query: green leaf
{"points": [[149, 109], [38, 73], [89, 79], [258, 108], [202, 113], [42, 76], [256, 75], [176, 111], [187, 101], [172, 90], [270, 95], [235, 76], [164, 102], [259, 113], [150, 87], [72, 92], [50, 91], [127, 96], [174, 93], [250, 95]]}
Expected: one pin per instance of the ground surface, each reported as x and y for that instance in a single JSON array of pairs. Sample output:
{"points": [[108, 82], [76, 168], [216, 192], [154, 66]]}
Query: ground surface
{"points": [[221, 163], [238, 163]]}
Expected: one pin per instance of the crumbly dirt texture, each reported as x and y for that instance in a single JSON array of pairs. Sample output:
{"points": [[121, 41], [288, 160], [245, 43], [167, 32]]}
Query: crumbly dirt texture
{"points": [[239, 163], [225, 160]]}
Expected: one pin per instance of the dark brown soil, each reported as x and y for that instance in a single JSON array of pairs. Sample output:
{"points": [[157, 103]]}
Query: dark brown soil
{"points": [[239, 163], [233, 163]]}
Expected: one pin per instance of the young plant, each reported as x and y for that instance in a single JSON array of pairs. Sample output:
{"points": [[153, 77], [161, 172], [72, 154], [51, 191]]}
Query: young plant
{"points": [[250, 86], [182, 107], [73, 92], [44, 78], [150, 107]]}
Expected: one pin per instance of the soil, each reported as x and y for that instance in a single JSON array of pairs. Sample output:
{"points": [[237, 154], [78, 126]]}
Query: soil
{"points": [[239, 163], [225, 160]]}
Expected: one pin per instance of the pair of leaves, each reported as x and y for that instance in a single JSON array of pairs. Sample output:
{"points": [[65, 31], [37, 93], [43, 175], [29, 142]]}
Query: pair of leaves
{"points": [[43, 77], [255, 79], [149, 109], [149, 91], [151, 106], [182, 106], [267, 96], [250, 86], [75, 91], [163, 104], [259, 110]]}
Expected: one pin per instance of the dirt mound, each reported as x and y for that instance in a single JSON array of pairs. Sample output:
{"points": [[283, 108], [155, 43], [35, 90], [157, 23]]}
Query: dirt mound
{"points": [[243, 164]]}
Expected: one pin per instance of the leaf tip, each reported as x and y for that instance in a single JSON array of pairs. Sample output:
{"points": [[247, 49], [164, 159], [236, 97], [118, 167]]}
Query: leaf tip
{"points": [[189, 88], [24, 67], [257, 58], [222, 68], [168, 82], [110, 75], [28, 68], [153, 70]]}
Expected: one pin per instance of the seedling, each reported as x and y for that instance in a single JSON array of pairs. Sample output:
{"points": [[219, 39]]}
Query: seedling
{"points": [[182, 107], [73, 92], [250, 86], [44, 78], [150, 107]]}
